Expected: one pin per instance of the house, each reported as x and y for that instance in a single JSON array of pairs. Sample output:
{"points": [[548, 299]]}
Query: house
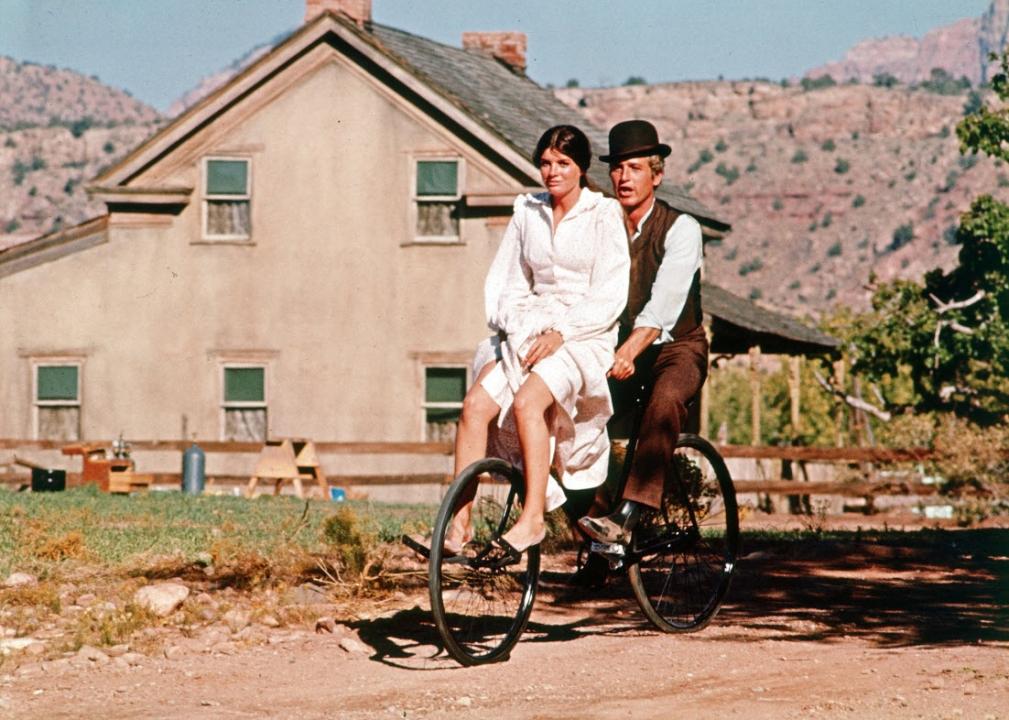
{"points": [[301, 253]]}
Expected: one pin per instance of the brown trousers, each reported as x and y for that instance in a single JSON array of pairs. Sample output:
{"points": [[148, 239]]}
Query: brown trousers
{"points": [[676, 372]]}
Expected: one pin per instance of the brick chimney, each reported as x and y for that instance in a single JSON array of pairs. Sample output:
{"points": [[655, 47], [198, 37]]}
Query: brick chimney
{"points": [[357, 10], [508, 47]]}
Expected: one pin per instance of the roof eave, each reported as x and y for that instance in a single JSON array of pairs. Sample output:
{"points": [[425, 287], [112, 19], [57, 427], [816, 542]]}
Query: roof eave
{"points": [[286, 51]]}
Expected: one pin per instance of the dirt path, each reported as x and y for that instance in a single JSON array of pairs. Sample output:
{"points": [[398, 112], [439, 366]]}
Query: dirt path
{"points": [[826, 631]]}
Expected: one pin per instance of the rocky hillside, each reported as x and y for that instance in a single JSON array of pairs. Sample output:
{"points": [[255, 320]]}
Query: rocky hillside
{"points": [[961, 49], [823, 187], [42, 95], [58, 128]]}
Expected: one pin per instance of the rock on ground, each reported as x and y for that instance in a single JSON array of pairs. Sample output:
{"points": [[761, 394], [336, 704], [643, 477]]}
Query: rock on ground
{"points": [[161, 599]]}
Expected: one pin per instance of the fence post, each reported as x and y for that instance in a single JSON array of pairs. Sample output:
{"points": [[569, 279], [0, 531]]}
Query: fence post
{"points": [[755, 395]]}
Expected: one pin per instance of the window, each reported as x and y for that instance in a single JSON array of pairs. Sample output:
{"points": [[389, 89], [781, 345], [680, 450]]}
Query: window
{"points": [[444, 390], [57, 402], [244, 405], [226, 206], [437, 196]]}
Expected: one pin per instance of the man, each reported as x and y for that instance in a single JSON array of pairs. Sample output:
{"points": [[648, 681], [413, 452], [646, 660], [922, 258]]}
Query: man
{"points": [[661, 337]]}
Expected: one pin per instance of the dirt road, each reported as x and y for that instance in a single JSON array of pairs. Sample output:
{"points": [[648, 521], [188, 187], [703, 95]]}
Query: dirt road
{"points": [[853, 630]]}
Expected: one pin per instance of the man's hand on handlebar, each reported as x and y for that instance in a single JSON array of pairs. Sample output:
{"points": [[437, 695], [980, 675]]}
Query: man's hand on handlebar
{"points": [[623, 364]]}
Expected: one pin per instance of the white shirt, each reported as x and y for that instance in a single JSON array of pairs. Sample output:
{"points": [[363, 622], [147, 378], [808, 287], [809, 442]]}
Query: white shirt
{"points": [[572, 278], [681, 260]]}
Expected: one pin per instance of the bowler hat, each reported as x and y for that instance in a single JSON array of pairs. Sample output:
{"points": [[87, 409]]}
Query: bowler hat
{"points": [[634, 138]]}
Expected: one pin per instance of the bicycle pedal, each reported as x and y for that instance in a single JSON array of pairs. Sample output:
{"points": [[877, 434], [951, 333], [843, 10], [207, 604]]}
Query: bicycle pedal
{"points": [[609, 549]]}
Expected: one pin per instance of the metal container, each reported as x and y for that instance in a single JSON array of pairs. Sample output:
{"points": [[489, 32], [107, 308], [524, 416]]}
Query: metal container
{"points": [[44, 480], [193, 470]]}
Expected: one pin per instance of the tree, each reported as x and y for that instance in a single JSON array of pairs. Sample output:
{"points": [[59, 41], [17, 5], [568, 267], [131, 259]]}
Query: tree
{"points": [[948, 336]]}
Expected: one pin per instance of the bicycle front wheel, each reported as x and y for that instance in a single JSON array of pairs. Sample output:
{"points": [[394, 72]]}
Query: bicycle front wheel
{"points": [[684, 553], [481, 604]]}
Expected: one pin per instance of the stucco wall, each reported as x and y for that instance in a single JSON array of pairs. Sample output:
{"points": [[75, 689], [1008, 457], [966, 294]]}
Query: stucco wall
{"points": [[329, 293]]}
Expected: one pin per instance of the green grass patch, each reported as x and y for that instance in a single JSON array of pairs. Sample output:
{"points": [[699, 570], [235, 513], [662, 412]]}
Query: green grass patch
{"points": [[42, 532]]}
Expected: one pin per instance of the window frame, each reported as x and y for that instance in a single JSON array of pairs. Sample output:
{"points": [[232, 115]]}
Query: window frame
{"points": [[418, 199], [78, 402], [225, 405], [208, 198], [426, 405]]}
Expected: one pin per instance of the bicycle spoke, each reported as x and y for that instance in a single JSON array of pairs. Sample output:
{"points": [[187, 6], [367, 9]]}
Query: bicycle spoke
{"points": [[681, 577]]}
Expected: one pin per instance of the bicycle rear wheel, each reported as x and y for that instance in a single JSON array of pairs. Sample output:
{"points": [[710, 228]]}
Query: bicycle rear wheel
{"points": [[480, 604], [684, 553]]}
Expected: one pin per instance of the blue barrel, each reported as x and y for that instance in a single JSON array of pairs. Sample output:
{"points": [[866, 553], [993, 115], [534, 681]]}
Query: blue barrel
{"points": [[193, 470]]}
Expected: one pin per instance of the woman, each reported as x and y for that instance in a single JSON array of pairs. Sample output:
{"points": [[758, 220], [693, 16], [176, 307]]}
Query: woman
{"points": [[553, 294]]}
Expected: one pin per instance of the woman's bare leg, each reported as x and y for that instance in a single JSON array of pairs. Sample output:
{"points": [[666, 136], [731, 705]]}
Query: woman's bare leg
{"points": [[478, 411], [533, 403]]}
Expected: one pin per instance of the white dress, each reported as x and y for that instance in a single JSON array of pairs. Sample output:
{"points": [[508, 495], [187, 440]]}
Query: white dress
{"points": [[573, 280]]}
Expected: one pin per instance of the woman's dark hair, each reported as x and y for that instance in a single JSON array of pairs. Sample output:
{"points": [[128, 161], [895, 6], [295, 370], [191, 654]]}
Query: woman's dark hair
{"points": [[569, 140]]}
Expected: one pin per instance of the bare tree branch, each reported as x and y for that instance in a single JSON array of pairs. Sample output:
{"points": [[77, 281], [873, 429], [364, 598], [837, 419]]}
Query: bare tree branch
{"points": [[851, 400], [942, 307]]}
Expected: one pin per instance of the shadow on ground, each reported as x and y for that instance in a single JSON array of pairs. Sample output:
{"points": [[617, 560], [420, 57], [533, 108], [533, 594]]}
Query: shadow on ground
{"points": [[929, 587]]}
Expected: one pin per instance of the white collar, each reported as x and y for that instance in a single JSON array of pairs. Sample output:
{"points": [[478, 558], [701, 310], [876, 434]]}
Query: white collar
{"points": [[637, 229]]}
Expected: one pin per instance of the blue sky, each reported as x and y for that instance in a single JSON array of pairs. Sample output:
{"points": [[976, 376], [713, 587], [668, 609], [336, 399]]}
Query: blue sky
{"points": [[159, 49]]}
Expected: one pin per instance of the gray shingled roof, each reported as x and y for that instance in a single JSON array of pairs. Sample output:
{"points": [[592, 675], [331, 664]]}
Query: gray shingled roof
{"points": [[512, 105], [738, 323]]}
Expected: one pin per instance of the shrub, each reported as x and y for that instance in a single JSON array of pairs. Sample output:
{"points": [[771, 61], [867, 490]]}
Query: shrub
{"points": [[79, 127], [794, 285], [974, 103], [834, 250], [951, 177], [827, 220], [721, 146], [855, 135], [731, 174], [572, 83], [858, 201], [341, 531], [967, 161], [823, 81], [109, 148], [635, 80], [942, 83], [828, 145], [751, 266], [18, 171], [68, 187], [705, 156], [911, 175], [756, 293], [38, 162], [800, 156], [841, 166], [902, 236], [12, 226], [9, 142], [885, 80], [777, 204], [752, 167]]}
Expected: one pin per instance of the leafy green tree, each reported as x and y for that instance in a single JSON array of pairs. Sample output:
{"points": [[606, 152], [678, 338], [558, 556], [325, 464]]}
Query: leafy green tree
{"points": [[948, 336]]}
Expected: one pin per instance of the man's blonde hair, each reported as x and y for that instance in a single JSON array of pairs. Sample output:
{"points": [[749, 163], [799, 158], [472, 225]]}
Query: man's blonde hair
{"points": [[657, 164]]}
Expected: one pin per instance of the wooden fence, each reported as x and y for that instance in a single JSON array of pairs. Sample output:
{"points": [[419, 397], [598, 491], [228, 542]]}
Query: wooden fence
{"points": [[865, 465]]}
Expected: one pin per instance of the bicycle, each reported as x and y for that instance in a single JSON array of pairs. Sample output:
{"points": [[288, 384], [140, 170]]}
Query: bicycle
{"points": [[679, 561]]}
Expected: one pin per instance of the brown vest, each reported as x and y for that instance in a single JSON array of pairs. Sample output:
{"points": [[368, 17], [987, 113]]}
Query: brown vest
{"points": [[646, 256]]}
